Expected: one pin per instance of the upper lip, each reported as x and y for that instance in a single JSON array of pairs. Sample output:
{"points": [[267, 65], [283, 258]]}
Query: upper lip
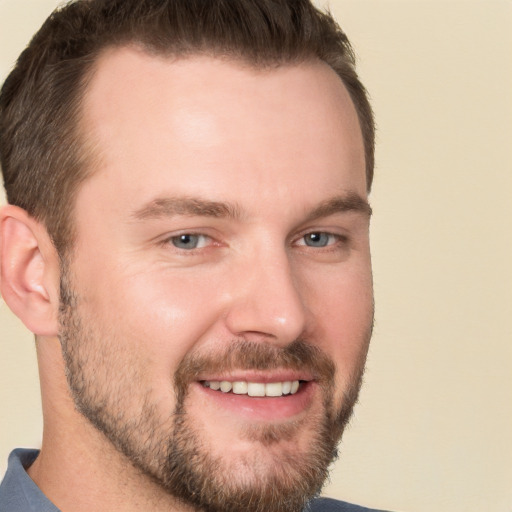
{"points": [[259, 376]]}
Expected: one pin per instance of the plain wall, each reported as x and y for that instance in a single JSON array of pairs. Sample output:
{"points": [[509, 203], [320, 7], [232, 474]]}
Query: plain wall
{"points": [[433, 429]]}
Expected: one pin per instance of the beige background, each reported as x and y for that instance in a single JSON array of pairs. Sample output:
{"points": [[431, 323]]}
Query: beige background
{"points": [[433, 430]]}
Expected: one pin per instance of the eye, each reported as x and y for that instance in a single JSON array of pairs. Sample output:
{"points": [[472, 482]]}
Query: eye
{"points": [[189, 241], [319, 239]]}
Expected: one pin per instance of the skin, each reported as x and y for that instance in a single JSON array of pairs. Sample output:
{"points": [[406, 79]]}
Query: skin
{"points": [[276, 146]]}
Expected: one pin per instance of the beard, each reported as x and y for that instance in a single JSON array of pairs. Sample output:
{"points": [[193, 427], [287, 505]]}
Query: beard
{"points": [[111, 389]]}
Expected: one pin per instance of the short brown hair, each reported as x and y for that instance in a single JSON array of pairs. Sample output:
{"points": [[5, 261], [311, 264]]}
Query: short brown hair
{"points": [[42, 154]]}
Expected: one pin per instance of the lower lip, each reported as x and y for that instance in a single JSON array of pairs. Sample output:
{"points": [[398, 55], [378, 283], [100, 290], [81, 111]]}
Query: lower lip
{"points": [[267, 409]]}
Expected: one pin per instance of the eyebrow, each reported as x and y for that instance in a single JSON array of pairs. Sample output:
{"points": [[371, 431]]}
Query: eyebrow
{"points": [[340, 204], [172, 206]]}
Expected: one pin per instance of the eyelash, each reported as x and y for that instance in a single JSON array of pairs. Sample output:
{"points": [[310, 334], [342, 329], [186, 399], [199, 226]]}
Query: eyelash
{"points": [[335, 239], [170, 241]]}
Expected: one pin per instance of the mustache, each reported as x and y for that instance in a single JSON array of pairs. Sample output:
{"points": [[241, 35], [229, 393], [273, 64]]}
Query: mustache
{"points": [[250, 355]]}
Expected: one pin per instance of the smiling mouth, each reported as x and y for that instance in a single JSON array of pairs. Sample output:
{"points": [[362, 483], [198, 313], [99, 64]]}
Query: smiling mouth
{"points": [[255, 389]]}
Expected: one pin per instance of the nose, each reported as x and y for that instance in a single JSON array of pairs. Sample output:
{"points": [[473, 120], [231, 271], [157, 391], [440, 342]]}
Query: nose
{"points": [[267, 301]]}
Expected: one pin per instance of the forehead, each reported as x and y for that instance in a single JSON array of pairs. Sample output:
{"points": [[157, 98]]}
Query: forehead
{"points": [[156, 121]]}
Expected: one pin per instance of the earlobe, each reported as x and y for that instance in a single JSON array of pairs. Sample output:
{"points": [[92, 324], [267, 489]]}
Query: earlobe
{"points": [[28, 271]]}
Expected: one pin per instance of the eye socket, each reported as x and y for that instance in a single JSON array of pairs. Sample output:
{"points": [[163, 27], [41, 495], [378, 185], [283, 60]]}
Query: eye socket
{"points": [[319, 239], [189, 241]]}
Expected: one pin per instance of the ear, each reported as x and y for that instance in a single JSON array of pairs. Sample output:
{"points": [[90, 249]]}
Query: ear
{"points": [[29, 271]]}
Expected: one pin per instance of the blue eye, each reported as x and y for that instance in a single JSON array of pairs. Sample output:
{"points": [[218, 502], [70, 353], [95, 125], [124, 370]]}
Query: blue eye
{"points": [[188, 241], [318, 239]]}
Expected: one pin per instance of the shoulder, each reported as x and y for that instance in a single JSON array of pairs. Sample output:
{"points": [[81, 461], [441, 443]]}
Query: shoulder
{"points": [[331, 505]]}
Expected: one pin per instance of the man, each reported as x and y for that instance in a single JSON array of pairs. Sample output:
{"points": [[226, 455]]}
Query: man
{"points": [[187, 237]]}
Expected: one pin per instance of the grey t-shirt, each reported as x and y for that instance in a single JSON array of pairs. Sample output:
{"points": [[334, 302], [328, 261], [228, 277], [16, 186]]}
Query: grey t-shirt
{"points": [[19, 493]]}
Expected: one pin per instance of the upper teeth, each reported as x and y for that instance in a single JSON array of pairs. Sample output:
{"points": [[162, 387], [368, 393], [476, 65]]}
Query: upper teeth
{"points": [[255, 388]]}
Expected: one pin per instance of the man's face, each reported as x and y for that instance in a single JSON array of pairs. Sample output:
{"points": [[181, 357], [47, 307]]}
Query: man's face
{"points": [[222, 241]]}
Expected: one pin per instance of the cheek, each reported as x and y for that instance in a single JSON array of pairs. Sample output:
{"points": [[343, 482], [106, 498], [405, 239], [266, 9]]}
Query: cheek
{"points": [[342, 305], [158, 315]]}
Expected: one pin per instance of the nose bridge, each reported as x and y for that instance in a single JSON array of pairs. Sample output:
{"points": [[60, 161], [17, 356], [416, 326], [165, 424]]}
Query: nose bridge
{"points": [[268, 298]]}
